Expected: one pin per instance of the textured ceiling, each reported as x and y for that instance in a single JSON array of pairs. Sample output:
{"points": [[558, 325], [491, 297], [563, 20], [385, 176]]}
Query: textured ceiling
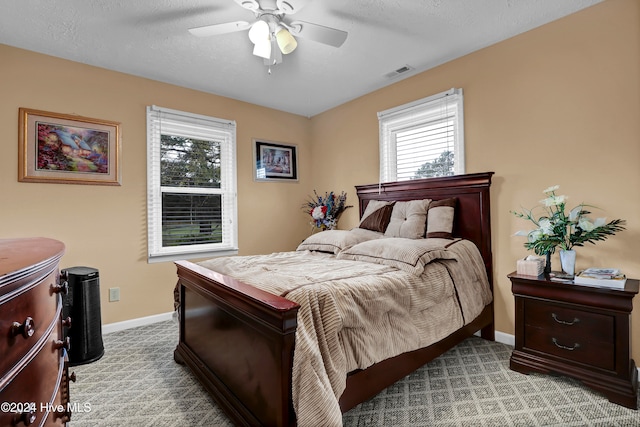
{"points": [[149, 38]]}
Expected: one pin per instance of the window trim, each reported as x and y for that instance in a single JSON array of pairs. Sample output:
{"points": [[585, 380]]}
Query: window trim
{"points": [[227, 128], [412, 114]]}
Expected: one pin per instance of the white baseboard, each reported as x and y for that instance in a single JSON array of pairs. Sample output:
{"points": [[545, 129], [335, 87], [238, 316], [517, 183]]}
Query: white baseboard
{"points": [[141, 321], [503, 338]]}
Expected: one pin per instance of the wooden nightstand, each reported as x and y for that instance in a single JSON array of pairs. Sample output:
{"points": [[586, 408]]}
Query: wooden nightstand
{"points": [[579, 331]]}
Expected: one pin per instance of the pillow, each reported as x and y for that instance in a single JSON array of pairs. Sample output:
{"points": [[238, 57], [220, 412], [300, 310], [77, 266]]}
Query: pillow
{"points": [[410, 255], [440, 218], [374, 205], [377, 220], [364, 234], [333, 241], [408, 219]]}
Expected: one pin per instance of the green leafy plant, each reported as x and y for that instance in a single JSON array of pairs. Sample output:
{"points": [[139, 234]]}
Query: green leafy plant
{"points": [[555, 228]]}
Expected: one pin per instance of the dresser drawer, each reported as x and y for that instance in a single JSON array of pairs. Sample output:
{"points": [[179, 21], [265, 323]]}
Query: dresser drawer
{"points": [[583, 324], [36, 308], [570, 333], [37, 386], [572, 347]]}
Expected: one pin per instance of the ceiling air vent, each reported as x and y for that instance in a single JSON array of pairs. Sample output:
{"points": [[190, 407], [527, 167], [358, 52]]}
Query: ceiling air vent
{"points": [[399, 71]]}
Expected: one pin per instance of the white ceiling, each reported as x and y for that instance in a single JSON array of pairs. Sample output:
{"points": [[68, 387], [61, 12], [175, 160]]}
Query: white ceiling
{"points": [[149, 38]]}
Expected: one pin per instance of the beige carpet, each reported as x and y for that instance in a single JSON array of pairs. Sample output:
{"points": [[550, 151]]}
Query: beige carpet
{"points": [[137, 383]]}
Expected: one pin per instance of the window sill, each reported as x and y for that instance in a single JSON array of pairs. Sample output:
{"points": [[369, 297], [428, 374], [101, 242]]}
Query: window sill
{"points": [[190, 255]]}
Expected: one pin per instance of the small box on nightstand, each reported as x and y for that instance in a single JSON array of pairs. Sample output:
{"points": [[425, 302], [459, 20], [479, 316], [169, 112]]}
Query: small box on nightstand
{"points": [[530, 266]]}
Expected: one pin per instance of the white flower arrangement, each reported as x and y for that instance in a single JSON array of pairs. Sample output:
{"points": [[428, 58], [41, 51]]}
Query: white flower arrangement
{"points": [[554, 228]]}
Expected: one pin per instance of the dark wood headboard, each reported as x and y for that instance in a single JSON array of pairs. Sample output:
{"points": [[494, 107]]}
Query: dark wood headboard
{"points": [[472, 216]]}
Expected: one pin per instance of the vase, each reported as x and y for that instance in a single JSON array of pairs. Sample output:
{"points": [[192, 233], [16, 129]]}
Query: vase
{"points": [[568, 261], [547, 264]]}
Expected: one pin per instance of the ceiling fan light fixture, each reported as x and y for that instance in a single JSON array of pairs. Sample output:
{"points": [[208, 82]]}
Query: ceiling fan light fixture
{"points": [[259, 32], [271, 33], [286, 42], [262, 49]]}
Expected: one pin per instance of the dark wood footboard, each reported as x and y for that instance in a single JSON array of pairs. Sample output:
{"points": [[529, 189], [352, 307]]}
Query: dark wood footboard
{"points": [[239, 340]]}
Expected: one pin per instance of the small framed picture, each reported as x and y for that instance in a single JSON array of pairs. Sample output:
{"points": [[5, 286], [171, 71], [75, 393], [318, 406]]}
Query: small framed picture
{"points": [[275, 161], [67, 149]]}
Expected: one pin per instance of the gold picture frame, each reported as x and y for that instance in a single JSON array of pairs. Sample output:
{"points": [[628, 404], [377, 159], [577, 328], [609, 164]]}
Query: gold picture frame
{"points": [[67, 149]]}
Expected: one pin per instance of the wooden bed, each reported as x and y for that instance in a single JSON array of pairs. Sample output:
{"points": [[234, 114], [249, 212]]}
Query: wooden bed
{"points": [[218, 312]]}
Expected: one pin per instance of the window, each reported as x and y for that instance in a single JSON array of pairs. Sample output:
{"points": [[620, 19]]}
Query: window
{"points": [[191, 185], [423, 139]]}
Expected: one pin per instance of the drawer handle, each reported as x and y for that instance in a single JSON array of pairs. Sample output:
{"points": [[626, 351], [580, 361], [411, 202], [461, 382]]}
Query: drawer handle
{"points": [[28, 418], [564, 347], [564, 322], [25, 329], [62, 288], [66, 344]]}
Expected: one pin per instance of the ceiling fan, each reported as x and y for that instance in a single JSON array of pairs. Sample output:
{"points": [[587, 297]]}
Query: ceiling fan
{"points": [[272, 32]]}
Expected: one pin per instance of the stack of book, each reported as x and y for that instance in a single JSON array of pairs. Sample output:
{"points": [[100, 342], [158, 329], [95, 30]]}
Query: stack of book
{"points": [[601, 277]]}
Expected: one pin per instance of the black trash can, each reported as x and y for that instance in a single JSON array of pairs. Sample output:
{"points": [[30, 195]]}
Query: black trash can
{"points": [[82, 305]]}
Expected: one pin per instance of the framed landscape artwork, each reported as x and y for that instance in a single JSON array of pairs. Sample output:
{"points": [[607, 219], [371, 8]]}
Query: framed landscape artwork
{"points": [[69, 149], [275, 161]]}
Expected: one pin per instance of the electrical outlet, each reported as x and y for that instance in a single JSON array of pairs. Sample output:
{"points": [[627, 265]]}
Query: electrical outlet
{"points": [[114, 294]]}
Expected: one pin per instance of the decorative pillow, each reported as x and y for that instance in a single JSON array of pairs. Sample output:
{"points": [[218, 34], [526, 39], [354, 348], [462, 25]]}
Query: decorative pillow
{"points": [[440, 218], [410, 255], [377, 220], [333, 241], [374, 205], [408, 219]]}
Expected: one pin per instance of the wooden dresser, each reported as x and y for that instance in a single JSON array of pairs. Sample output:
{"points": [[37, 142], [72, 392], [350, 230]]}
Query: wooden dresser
{"points": [[578, 331], [34, 380]]}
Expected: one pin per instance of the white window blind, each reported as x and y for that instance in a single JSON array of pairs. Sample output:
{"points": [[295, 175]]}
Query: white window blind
{"points": [[424, 138], [191, 185]]}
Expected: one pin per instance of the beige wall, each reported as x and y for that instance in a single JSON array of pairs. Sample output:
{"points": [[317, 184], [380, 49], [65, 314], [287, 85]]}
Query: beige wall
{"points": [[105, 227], [557, 105]]}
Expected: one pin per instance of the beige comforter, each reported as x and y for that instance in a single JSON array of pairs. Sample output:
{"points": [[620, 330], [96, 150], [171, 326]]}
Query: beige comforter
{"points": [[370, 302]]}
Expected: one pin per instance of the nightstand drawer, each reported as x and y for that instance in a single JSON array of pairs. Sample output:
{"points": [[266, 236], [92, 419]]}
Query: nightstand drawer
{"points": [[574, 347], [581, 324]]}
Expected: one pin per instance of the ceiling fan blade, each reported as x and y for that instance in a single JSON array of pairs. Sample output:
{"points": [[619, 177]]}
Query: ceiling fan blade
{"points": [[248, 4], [319, 33], [216, 29], [291, 6]]}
